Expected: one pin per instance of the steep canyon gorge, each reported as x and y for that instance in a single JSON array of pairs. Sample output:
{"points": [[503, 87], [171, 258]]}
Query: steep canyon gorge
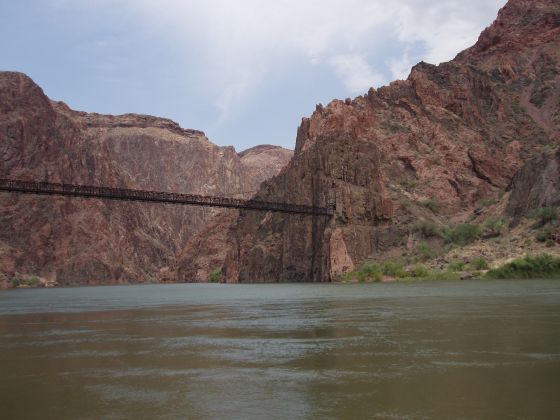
{"points": [[482, 126], [75, 241]]}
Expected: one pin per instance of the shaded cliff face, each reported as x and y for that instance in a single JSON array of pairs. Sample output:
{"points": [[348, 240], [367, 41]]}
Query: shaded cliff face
{"points": [[91, 241], [430, 146], [535, 186], [206, 251]]}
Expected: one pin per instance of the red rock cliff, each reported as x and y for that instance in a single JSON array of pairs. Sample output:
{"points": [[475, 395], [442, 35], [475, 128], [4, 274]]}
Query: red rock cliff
{"points": [[449, 135], [91, 241]]}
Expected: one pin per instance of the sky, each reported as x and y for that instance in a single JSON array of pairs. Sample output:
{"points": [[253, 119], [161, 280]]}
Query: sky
{"points": [[243, 71]]}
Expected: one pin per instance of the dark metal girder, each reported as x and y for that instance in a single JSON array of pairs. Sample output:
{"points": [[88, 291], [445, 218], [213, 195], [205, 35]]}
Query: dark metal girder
{"points": [[105, 193]]}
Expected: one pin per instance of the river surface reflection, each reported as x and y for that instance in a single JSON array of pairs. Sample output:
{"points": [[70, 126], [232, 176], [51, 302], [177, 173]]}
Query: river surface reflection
{"points": [[431, 350]]}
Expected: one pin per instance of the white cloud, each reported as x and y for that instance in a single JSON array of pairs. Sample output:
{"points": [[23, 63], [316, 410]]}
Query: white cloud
{"points": [[240, 43], [355, 72], [400, 66], [445, 27]]}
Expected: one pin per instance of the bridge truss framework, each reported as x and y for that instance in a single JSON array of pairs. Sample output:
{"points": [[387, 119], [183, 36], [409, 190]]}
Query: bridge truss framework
{"points": [[121, 194]]}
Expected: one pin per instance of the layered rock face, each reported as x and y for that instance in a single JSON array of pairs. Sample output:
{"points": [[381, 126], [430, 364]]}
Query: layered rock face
{"points": [[445, 138], [206, 252], [535, 186], [76, 241]]}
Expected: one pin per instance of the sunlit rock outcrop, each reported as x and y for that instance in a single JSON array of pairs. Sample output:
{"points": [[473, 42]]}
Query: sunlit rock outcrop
{"points": [[431, 146]]}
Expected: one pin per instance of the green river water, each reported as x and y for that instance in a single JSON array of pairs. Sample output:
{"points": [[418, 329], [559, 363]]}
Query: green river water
{"points": [[444, 350]]}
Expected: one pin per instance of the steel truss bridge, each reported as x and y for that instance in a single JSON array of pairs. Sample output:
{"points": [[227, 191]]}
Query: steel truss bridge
{"points": [[105, 193]]}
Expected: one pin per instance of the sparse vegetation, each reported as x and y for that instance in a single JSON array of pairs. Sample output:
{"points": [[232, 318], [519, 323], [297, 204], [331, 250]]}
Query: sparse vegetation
{"points": [[375, 272], [393, 269], [497, 241], [487, 202], [432, 204], [215, 276], [545, 234], [427, 228], [405, 204], [441, 276], [462, 234], [547, 221], [421, 271], [479, 263], [457, 265], [368, 272], [546, 215], [473, 261], [20, 281], [529, 267], [494, 226], [550, 147], [394, 127], [425, 252], [371, 272], [409, 184]]}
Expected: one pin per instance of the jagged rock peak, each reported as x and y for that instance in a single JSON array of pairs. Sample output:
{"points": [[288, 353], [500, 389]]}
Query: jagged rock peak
{"points": [[520, 24]]}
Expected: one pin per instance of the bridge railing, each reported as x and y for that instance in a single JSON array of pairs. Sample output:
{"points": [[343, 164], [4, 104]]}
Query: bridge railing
{"points": [[87, 191]]}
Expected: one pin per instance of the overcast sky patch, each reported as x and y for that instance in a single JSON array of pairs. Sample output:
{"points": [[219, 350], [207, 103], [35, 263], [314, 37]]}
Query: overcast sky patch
{"points": [[244, 71]]}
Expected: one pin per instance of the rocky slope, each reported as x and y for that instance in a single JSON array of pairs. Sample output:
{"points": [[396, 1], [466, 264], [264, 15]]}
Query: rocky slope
{"points": [[432, 146], [90, 241]]}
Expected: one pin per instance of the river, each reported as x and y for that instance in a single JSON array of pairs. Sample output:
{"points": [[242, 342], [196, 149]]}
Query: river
{"points": [[470, 350]]}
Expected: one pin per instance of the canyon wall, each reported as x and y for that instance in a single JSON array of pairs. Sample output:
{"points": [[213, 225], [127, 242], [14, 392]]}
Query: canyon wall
{"points": [[431, 146], [535, 186], [76, 241]]}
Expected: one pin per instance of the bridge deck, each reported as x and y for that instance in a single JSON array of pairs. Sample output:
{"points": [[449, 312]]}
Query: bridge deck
{"points": [[69, 190]]}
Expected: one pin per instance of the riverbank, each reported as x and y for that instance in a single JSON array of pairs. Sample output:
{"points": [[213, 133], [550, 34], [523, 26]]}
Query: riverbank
{"points": [[543, 266], [488, 247]]}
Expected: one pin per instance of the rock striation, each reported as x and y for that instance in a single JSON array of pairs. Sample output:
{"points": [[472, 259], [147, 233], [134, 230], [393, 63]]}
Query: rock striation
{"points": [[535, 186], [74, 241], [207, 251], [431, 146]]}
